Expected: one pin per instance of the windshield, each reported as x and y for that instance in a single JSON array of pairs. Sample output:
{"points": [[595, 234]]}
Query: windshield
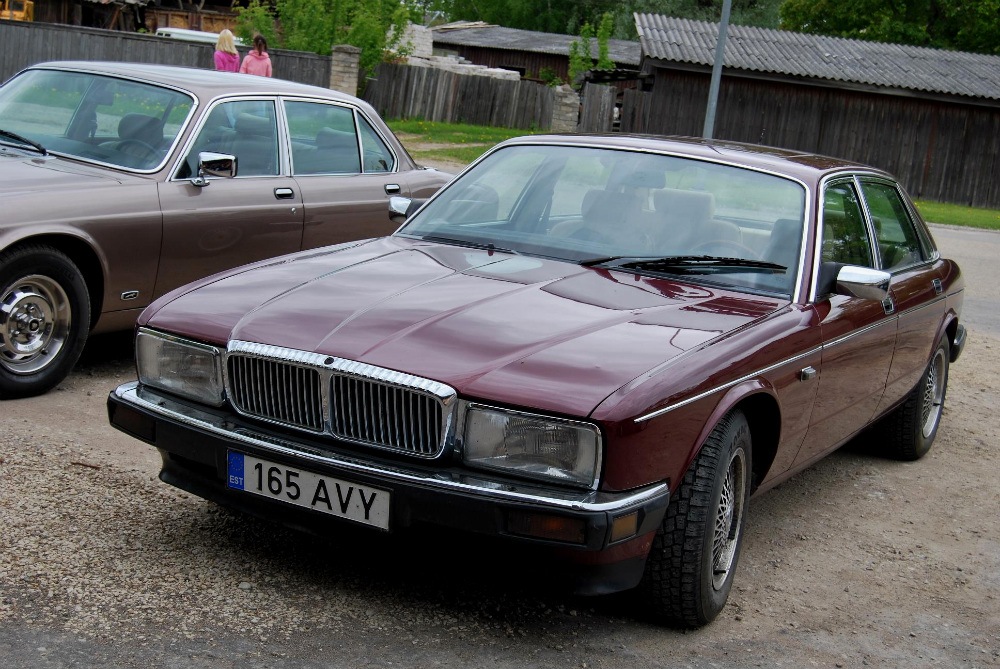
{"points": [[93, 117], [626, 210]]}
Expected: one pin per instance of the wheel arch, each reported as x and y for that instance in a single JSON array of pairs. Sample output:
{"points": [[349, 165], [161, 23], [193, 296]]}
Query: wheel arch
{"points": [[84, 256], [756, 400]]}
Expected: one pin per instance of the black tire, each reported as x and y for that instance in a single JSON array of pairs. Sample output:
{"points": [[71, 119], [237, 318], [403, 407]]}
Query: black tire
{"points": [[689, 571], [907, 432], [44, 319]]}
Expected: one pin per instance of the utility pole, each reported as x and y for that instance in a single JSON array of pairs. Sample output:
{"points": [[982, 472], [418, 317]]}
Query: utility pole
{"points": [[720, 55]]}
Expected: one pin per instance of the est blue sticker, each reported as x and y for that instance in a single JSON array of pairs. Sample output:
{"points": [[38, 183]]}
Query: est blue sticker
{"points": [[235, 470]]}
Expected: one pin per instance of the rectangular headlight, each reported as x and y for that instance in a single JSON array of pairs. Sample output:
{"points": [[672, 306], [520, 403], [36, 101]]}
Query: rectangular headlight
{"points": [[179, 366], [533, 446]]}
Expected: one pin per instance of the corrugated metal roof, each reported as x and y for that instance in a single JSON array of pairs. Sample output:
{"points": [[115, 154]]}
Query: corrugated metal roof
{"points": [[478, 34], [831, 58]]}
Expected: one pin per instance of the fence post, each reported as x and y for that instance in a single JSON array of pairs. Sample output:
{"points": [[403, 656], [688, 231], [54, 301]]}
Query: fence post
{"points": [[565, 109], [344, 68]]}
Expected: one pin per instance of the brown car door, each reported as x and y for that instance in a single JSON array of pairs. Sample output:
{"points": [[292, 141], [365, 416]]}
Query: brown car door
{"points": [[345, 170], [231, 221], [858, 334]]}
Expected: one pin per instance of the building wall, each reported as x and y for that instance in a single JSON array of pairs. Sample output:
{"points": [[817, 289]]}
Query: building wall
{"points": [[943, 151], [529, 64]]}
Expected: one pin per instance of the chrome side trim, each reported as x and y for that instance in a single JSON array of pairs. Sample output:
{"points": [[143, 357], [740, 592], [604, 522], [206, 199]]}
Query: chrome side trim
{"points": [[727, 386], [574, 500]]}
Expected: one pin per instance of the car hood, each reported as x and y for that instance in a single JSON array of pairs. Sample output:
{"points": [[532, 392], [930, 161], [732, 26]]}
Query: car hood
{"points": [[22, 172], [515, 329]]}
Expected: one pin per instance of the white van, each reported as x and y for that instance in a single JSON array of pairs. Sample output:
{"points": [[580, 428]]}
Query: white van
{"points": [[193, 35]]}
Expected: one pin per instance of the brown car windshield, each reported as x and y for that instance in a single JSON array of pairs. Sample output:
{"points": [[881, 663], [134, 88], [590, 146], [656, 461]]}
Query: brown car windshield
{"points": [[102, 119], [580, 203]]}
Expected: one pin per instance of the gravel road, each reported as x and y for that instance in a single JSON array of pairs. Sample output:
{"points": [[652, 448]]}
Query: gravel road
{"points": [[857, 561]]}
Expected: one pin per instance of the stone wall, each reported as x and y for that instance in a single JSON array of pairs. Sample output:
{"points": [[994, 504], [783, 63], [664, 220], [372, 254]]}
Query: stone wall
{"points": [[565, 110], [344, 68]]}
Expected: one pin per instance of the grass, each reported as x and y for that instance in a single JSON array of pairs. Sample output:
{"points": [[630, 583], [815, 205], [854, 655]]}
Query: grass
{"points": [[455, 133], [956, 214], [460, 142], [464, 143]]}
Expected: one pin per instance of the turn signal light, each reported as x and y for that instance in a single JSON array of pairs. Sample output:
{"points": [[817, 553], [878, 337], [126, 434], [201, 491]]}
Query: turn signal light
{"points": [[624, 527], [543, 526]]}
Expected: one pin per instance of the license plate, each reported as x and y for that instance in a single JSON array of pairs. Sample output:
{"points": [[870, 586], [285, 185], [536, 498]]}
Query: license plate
{"points": [[360, 503]]}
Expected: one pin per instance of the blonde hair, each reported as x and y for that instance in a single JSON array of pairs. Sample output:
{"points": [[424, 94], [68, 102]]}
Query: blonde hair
{"points": [[226, 43]]}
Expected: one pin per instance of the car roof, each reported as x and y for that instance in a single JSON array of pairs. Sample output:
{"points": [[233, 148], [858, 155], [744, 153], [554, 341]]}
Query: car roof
{"points": [[800, 165], [202, 82]]}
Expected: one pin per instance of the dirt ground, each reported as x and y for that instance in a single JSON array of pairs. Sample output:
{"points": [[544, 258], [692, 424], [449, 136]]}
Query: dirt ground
{"points": [[857, 561]]}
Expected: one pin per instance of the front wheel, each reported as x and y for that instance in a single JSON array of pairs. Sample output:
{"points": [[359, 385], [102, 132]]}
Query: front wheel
{"points": [[689, 571], [44, 319]]}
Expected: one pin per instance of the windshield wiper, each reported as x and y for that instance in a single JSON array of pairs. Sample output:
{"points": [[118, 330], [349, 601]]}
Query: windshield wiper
{"points": [[13, 136], [472, 244], [688, 264]]}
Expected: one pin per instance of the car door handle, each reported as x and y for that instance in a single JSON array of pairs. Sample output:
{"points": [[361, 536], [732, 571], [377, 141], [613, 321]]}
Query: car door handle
{"points": [[284, 193], [392, 189]]}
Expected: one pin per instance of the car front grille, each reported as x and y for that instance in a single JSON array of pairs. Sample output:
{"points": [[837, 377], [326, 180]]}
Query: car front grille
{"points": [[348, 400]]}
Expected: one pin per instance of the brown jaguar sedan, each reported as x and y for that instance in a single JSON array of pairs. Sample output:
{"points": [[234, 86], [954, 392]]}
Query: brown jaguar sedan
{"points": [[596, 346], [120, 182]]}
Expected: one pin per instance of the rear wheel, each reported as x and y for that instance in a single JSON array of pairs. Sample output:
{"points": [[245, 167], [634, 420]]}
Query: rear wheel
{"points": [[44, 319], [689, 571], [908, 431]]}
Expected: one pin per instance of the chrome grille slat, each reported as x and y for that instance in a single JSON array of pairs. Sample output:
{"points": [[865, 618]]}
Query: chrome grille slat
{"points": [[262, 388], [348, 400]]}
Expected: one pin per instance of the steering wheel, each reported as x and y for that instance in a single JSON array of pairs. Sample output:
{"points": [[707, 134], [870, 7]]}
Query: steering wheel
{"points": [[742, 249]]}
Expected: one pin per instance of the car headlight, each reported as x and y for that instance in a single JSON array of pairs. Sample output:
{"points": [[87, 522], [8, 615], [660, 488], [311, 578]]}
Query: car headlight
{"points": [[179, 366], [534, 446]]}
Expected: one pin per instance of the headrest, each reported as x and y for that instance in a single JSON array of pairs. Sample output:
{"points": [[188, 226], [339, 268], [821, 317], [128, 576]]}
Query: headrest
{"points": [[250, 124], [140, 127], [684, 204], [328, 138], [602, 205]]}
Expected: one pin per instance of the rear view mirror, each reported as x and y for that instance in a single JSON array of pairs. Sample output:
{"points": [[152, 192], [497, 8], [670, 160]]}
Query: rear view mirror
{"points": [[214, 165], [863, 282], [400, 208]]}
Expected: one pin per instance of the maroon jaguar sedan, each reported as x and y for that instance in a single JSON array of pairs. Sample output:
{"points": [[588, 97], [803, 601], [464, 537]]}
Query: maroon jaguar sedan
{"points": [[600, 346]]}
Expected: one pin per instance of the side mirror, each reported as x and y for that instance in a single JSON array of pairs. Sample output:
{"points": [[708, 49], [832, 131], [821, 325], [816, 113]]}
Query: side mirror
{"points": [[863, 282], [214, 165], [400, 208]]}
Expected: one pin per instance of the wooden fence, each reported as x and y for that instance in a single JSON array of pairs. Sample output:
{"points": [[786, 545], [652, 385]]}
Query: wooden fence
{"points": [[940, 150], [24, 44], [408, 92]]}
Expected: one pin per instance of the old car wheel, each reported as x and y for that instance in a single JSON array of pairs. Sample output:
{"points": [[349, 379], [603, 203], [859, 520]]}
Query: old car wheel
{"points": [[44, 319], [689, 572], [908, 432]]}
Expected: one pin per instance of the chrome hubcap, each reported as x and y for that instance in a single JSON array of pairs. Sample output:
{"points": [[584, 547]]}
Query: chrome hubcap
{"points": [[728, 519], [35, 319], [933, 396]]}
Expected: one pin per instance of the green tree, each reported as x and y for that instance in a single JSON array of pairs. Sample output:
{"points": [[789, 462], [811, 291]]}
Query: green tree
{"points": [[968, 25], [256, 19], [374, 26]]}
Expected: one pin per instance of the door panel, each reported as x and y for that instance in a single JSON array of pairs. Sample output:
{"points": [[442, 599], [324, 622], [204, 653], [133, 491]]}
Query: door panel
{"points": [[228, 223], [858, 340], [921, 313], [346, 208]]}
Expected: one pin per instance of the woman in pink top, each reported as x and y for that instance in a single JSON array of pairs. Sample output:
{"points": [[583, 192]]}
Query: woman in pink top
{"points": [[227, 58], [257, 61]]}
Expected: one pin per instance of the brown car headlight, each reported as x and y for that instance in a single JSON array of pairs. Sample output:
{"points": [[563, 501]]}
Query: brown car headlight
{"points": [[180, 366], [534, 446]]}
